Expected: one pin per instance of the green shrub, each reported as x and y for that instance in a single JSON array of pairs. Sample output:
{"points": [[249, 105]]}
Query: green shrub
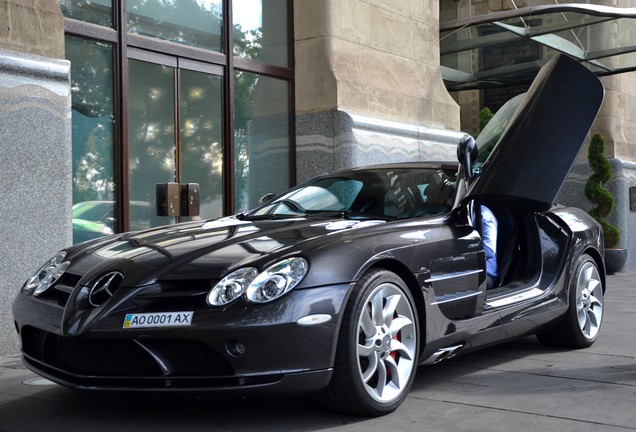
{"points": [[596, 192], [484, 117]]}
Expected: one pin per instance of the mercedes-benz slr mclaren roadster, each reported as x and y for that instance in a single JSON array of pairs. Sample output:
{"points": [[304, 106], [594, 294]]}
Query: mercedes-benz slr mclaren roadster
{"points": [[345, 284]]}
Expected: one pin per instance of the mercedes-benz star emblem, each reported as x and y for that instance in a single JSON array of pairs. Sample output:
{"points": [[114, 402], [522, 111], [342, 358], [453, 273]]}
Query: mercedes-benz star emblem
{"points": [[104, 288]]}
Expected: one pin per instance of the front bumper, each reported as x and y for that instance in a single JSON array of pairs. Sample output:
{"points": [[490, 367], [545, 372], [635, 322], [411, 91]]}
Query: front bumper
{"points": [[276, 353]]}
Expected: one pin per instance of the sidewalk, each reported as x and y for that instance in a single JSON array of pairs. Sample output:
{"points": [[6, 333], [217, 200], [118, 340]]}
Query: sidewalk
{"points": [[520, 386]]}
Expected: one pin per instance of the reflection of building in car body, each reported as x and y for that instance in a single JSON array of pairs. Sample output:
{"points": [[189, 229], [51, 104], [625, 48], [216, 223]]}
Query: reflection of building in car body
{"points": [[93, 219]]}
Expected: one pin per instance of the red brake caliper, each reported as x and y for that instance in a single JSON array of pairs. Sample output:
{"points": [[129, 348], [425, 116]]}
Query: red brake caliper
{"points": [[393, 354]]}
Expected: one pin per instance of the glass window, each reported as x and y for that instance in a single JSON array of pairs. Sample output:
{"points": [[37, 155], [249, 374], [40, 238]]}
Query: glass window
{"points": [[151, 102], [93, 136], [402, 193], [261, 137], [93, 210], [326, 195], [260, 31], [201, 137], [495, 128], [92, 11], [177, 109], [197, 23]]}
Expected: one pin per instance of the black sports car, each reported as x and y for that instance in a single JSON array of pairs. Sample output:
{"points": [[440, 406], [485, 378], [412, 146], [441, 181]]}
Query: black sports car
{"points": [[343, 285]]}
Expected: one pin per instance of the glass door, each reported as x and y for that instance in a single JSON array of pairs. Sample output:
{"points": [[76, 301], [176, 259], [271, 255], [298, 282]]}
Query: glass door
{"points": [[175, 110]]}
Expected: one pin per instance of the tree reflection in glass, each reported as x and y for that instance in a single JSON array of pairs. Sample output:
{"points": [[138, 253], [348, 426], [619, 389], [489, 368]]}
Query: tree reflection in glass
{"points": [[93, 133], [201, 138], [197, 23]]}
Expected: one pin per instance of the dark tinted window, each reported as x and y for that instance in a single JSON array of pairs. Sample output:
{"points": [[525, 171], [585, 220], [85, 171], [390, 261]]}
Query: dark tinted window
{"points": [[397, 193]]}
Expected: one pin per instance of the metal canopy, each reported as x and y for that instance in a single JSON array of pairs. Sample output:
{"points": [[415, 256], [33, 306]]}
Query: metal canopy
{"points": [[508, 48]]}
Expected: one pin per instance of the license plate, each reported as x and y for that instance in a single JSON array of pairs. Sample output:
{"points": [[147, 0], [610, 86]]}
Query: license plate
{"points": [[158, 319]]}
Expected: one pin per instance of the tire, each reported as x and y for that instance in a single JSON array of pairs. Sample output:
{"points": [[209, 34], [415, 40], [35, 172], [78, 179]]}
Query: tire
{"points": [[581, 323], [377, 350]]}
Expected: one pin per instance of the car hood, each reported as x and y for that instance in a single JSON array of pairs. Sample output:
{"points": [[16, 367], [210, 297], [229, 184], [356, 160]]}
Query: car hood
{"points": [[542, 139], [203, 250]]}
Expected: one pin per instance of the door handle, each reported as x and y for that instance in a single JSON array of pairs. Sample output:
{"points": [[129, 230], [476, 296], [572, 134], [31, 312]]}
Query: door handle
{"points": [[190, 199], [174, 199]]}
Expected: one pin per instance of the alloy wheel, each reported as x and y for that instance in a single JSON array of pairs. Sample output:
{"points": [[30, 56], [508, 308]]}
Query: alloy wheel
{"points": [[589, 300], [386, 343]]}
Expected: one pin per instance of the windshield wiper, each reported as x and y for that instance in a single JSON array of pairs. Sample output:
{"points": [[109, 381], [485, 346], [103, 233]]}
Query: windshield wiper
{"points": [[326, 213], [315, 214], [268, 216], [347, 214]]}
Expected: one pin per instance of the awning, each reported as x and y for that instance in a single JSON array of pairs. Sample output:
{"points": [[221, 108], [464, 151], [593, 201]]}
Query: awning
{"points": [[508, 48]]}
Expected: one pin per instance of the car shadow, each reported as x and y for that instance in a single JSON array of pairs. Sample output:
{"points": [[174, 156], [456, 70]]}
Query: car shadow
{"points": [[523, 366], [52, 407]]}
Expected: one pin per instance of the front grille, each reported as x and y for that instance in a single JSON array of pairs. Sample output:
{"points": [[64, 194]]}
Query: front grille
{"points": [[77, 359], [60, 292], [182, 294], [177, 287]]}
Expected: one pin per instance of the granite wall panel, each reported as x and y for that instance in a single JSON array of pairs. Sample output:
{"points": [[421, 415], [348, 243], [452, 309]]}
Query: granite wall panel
{"points": [[35, 172]]}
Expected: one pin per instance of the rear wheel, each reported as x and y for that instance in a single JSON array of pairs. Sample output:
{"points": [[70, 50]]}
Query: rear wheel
{"points": [[582, 321], [376, 357]]}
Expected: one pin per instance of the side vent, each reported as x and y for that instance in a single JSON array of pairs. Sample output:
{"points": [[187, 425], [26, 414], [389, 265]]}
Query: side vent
{"points": [[444, 354]]}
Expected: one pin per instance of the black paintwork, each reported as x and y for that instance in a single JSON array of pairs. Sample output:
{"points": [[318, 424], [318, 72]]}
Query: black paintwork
{"points": [[540, 144], [439, 256]]}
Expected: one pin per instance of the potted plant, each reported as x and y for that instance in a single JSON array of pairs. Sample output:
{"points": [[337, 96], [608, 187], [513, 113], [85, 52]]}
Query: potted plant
{"points": [[596, 192]]}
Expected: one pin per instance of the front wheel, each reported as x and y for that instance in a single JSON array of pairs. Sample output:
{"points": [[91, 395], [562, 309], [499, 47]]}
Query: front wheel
{"points": [[582, 321], [377, 352]]}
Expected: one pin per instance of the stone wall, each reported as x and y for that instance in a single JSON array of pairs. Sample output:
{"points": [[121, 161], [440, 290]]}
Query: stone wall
{"points": [[332, 141], [32, 27], [378, 58], [35, 142], [371, 59]]}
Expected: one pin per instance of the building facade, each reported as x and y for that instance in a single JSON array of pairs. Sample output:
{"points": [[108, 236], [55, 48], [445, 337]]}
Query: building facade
{"points": [[505, 42], [101, 100]]}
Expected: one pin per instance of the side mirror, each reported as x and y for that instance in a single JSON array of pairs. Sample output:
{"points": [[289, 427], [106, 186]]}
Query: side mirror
{"points": [[467, 153], [266, 198]]}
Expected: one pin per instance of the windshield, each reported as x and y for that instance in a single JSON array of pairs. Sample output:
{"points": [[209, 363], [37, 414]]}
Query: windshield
{"points": [[379, 193]]}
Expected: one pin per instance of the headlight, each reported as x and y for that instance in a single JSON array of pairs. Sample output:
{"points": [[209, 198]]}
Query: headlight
{"points": [[277, 280], [259, 287], [231, 287], [47, 275]]}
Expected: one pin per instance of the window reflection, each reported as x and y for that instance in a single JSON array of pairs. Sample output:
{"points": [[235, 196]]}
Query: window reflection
{"points": [[260, 30], [93, 137], [197, 23], [152, 139], [162, 126], [201, 138], [386, 193], [93, 11], [261, 137]]}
